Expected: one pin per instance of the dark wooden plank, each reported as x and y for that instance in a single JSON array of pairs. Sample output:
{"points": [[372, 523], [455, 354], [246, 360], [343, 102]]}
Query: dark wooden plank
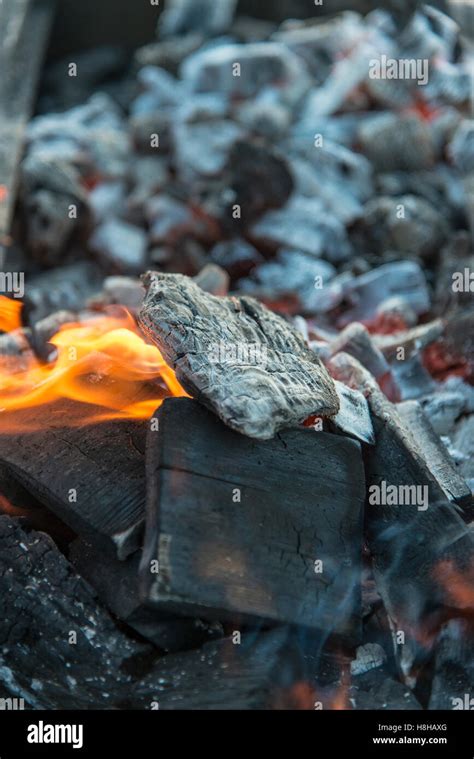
{"points": [[24, 26], [237, 525], [103, 463]]}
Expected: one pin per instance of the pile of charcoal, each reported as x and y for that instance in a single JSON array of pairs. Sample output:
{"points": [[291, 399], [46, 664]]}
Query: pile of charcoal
{"points": [[286, 211]]}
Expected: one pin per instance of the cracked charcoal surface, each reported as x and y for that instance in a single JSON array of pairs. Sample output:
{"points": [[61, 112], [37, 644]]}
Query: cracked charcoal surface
{"points": [[258, 398], [42, 600]]}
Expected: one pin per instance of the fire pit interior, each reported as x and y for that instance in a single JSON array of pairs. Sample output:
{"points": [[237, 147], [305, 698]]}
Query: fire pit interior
{"points": [[237, 359]]}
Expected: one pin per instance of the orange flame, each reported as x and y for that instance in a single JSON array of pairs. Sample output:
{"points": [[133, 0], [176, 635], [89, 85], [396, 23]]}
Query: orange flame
{"points": [[104, 362], [10, 311]]}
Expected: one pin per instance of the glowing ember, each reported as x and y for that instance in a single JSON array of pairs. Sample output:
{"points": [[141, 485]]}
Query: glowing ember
{"points": [[10, 314], [101, 362], [459, 585]]}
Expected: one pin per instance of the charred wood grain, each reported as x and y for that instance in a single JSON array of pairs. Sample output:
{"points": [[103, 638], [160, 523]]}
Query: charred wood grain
{"points": [[236, 525], [92, 477], [117, 585], [244, 362]]}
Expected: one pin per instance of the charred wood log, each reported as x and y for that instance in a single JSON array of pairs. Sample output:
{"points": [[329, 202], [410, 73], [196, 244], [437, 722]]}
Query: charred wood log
{"points": [[244, 529], [93, 477], [241, 360], [60, 649], [117, 585], [434, 451]]}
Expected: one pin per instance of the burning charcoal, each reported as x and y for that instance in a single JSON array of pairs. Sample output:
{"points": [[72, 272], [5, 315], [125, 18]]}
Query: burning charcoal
{"points": [[203, 145], [214, 280], [91, 137], [356, 340], [68, 287], [261, 65], [412, 378], [206, 16], [255, 180], [15, 350], [455, 258], [91, 477], [394, 314], [405, 224], [393, 142], [453, 668], [402, 278], [44, 330], [260, 673], [116, 584], [462, 147], [454, 352], [304, 225], [120, 246], [291, 273], [124, 291], [369, 656], [55, 206], [149, 176], [43, 603], [337, 177], [107, 199], [377, 691], [413, 530], [162, 90], [319, 43], [353, 417], [152, 132], [345, 78], [268, 119], [442, 409], [60, 649], [278, 383], [463, 441], [433, 451], [257, 560], [168, 53], [411, 340], [236, 256], [169, 218]]}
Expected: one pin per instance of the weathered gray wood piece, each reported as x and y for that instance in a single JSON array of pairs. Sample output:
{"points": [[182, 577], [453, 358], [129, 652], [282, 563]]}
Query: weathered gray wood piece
{"points": [[237, 525], [246, 363]]}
